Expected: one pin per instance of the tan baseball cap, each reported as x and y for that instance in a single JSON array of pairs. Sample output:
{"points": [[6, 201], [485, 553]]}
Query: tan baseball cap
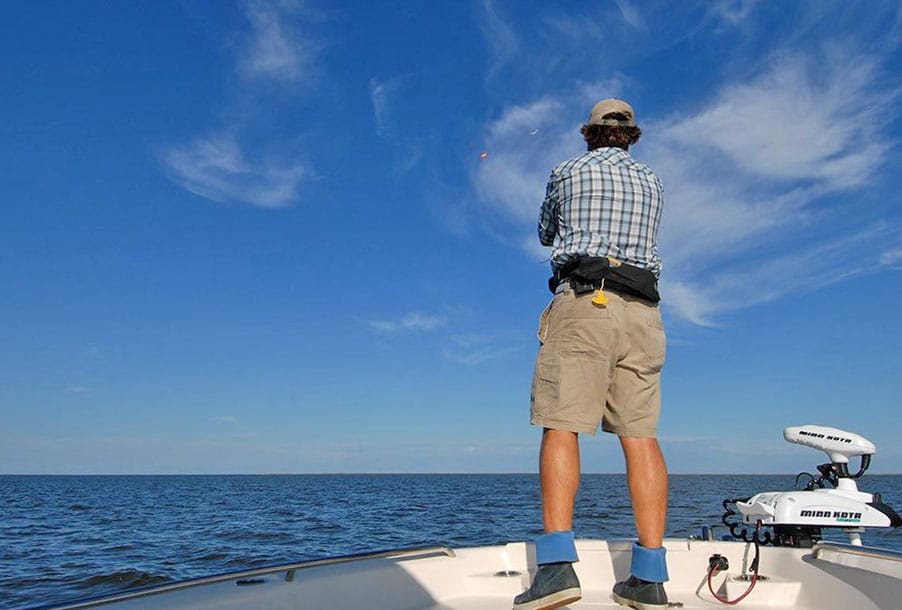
{"points": [[599, 110]]}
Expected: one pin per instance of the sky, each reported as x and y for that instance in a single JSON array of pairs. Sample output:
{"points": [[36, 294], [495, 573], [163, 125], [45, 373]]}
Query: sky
{"points": [[259, 236]]}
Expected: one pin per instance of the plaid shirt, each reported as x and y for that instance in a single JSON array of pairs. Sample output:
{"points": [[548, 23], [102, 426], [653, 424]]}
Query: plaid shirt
{"points": [[603, 203]]}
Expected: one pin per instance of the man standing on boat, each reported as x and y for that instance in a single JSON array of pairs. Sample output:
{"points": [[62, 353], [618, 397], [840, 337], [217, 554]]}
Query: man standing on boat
{"points": [[601, 355]]}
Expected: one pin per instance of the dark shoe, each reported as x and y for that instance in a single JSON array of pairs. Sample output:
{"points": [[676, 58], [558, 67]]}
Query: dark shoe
{"points": [[554, 585], [640, 594]]}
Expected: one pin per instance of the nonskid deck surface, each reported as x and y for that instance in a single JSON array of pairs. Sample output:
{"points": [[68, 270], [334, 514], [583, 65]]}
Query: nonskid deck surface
{"points": [[791, 578], [688, 603]]}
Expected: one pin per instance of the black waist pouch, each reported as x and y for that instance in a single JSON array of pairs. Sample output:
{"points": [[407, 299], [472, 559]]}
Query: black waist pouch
{"points": [[589, 273]]}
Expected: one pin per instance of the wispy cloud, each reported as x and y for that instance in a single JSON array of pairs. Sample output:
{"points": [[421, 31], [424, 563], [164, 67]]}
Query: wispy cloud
{"points": [[762, 280], [381, 94], [805, 119], [500, 39], [414, 321], [79, 389], [92, 350], [217, 166], [749, 173], [214, 167], [570, 28], [513, 173], [733, 12], [892, 258], [472, 350], [631, 14], [275, 50], [225, 419]]}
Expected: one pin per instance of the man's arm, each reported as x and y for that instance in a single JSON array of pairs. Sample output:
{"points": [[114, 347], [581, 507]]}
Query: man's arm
{"points": [[548, 215]]}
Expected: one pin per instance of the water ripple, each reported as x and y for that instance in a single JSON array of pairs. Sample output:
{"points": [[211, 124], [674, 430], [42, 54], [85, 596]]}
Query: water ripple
{"points": [[63, 538]]}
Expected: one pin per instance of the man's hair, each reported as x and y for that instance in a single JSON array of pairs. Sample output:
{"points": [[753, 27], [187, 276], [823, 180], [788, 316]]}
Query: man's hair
{"points": [[620, 136]]}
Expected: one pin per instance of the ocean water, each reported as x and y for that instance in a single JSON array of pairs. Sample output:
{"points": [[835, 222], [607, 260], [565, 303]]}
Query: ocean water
{"points": [[69, 537]]}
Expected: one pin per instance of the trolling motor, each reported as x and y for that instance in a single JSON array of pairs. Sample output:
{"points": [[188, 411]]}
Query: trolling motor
{"points": [[829, 500], [796, 518]]}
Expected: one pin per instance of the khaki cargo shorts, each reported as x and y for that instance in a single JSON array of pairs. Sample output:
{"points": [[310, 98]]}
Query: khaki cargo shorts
{"points": [[599, 364]]}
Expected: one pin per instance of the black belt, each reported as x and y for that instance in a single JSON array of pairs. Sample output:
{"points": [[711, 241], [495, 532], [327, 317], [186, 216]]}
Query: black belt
{"points": [[588, 273]]}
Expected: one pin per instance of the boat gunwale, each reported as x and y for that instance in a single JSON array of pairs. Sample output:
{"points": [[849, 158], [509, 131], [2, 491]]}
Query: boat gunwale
{"points": [[873, 552], [289, 569]]}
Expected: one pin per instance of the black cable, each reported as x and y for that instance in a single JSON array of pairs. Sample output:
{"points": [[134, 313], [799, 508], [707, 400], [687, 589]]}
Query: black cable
{"points": [[715, 566]]}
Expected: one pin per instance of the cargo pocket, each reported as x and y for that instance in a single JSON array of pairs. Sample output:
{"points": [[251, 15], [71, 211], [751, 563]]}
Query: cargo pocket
{"points": [[545, 383], [582, 391]]}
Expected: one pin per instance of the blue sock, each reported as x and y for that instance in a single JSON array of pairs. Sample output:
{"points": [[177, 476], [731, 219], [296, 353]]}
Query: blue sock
{"points": [[649, 564], [555, 548]]}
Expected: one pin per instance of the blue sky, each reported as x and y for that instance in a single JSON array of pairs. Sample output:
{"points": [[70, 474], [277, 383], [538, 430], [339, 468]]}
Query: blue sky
{"points": [[258, 236]]}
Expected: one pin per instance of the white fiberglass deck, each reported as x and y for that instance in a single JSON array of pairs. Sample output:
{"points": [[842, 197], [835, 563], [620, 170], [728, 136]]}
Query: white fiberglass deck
{"points": [[487, 578]]}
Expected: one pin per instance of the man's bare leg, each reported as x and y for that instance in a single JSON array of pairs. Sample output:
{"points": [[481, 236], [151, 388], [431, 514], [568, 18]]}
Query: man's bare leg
{"points": [[646, 474], [555, 582], [559, 473]]}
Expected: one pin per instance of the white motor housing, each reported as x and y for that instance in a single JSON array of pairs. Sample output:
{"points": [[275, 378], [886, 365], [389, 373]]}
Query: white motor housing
{"points": [[817, 508], [838, 444]]}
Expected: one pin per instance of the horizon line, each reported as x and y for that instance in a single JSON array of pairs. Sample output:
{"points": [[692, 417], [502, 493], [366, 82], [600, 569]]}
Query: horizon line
{"points": [[411, 473]]}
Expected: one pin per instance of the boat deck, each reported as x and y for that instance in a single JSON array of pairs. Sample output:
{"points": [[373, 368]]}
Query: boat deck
{"points": [[496, 603], [488, 578]]}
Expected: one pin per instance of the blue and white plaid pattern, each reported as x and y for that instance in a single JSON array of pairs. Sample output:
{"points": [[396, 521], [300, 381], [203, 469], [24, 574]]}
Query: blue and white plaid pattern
{"points": [[603, 203]]}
